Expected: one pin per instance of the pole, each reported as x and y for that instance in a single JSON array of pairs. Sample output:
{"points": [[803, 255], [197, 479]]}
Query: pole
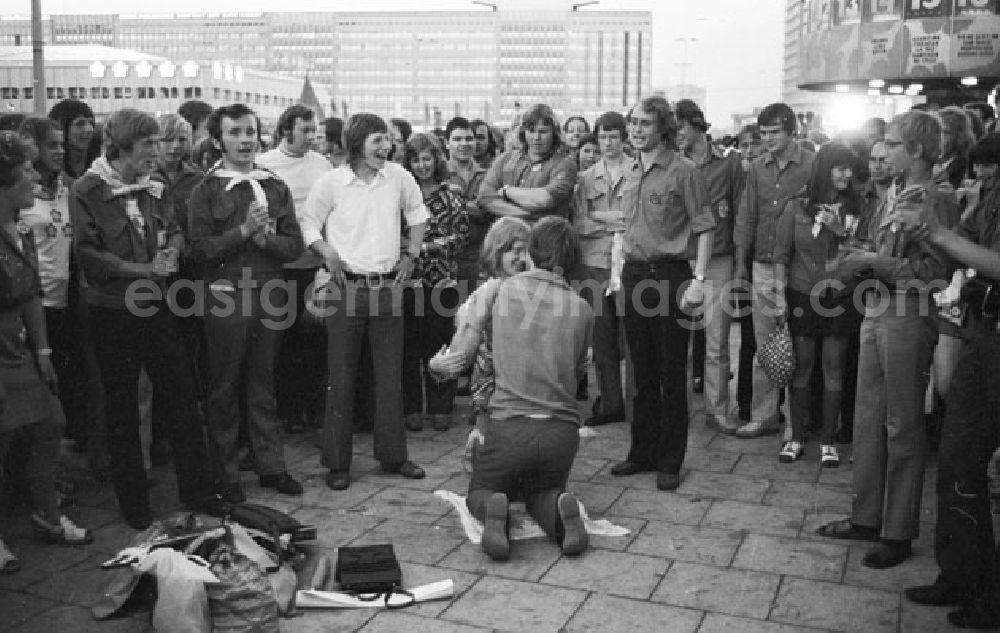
{"points": [[37, 58]]}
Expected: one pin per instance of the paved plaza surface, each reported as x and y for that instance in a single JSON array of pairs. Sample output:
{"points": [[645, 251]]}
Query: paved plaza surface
{"points": [[733, 549]]}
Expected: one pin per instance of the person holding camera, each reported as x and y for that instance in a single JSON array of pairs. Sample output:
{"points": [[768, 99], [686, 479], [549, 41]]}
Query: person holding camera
{"points": [[964, 540]]}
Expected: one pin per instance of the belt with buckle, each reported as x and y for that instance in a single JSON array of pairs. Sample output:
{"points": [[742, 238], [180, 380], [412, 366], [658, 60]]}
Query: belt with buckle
{"points": [[370, 279]]}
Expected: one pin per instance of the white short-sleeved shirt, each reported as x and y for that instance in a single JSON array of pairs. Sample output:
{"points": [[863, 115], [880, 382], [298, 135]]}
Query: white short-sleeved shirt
{"points": [[363, 221], [300, 173], [49, 221]]}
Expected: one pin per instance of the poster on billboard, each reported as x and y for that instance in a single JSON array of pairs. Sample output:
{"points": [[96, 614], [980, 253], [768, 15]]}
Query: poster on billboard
{"points": [[929, 48], [975, 8], [975, 45]]}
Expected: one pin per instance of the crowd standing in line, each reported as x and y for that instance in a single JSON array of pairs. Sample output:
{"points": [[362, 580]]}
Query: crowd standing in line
{"points": [[315, 284]]}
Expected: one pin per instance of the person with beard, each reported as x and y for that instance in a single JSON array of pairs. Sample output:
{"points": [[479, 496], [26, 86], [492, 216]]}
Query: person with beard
{"points": [[127, 240], [534, 180], [360, 207]]}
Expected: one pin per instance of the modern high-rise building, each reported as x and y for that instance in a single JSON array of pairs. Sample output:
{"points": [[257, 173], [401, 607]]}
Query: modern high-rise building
{"points": [[796, 13], [422, 66]]}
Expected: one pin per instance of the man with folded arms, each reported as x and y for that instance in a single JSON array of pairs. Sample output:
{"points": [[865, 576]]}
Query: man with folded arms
{"points": [[360, 206]]}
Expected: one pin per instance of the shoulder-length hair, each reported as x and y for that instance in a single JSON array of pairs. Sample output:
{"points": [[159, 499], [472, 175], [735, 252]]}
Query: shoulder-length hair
{"points": [[422, 142], [358, 128], [539, 114], [820, 187], [500, 239], [957, 121], [666, 122]]}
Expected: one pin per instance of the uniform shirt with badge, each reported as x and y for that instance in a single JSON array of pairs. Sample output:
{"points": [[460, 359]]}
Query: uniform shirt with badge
{"points": [[666, 209], [597, 211], [50, 223]]}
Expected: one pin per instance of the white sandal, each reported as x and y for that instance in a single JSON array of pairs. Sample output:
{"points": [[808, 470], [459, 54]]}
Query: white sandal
{"points": [[829, 457]]}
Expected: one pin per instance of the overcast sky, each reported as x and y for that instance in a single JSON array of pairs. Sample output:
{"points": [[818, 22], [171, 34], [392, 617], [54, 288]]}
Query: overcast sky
{"points": [[736, 56]]}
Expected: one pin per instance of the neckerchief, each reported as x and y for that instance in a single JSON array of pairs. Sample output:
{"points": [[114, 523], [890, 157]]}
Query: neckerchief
{"points": [[103, 169]]}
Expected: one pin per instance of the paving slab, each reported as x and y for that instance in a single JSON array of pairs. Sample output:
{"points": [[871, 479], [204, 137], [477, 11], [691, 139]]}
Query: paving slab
{"points": [[614, 573], [396, 621], [414, 542], [818, 561], [17, 607], [660, 506], [335, 527], [618, 543], [78, 620], [717, 589], [711, 460], [810, 497], [415, 575], [39, 561], [920, 569], [768, 467], [74, 585], [317, 494], [529, 560], [601, 614], [756, 518], [698, 483], [597, 498], [836, 607], [512, 605], [687, 543], [405, 504], [718, 623]]}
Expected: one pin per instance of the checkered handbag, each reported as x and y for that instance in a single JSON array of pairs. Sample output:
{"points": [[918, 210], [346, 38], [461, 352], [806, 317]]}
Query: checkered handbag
{"points": [[777, 357]]}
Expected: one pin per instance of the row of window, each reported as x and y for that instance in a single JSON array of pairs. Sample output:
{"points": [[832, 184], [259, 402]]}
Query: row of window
{"points": [[145, 92]]}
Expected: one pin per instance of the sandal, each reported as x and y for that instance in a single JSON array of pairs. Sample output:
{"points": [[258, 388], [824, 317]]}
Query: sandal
{"points": [[8, 562], [845, 529], [66, 533]]}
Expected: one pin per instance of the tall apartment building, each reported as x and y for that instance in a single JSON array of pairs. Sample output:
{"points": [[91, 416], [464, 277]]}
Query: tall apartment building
{"points": [[796, 18], [422, 66]]}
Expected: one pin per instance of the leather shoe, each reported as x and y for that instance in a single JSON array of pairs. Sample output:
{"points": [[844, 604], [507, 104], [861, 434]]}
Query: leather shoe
{"points": [[495, 542], [668, 481], [604, 418], [407, 469], [623, 469], [940, 594], [282, 482], [575, 538], [338, 479], [888, 553], [756, 429]]}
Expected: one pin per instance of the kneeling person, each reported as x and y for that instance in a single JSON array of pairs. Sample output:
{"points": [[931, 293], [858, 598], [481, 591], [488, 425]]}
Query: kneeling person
{"points": [[541, 332]]}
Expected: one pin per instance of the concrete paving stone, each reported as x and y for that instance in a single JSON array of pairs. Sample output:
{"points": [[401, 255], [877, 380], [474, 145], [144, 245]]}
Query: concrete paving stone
{"points": [[718, 623], [660, 506], [810, 497], [418, 506], [79, 585], [699, 436], [335, 527], [768, 467], [602, 613], [842, 477], [596, 498], [113, 537], [415, 575], [328, 620], [586, 467], [433, 481], [715, 589], [614, 573], [715, 461], [814, 520], [641, 481], [17, 607], [920, 569], [79, 620], [687, 543], [766, 445], [698, 483], [618, 543], [414, 542], [395, 621], [756, 518], [602, 447], [511, 605], [807, 559], [836, 607], [529, 559], [318, 494], [917, 618], [428, 451], [39, 561]]}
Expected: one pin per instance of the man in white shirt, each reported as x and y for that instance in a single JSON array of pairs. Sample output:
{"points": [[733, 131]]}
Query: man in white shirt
{"points": [[360, 207], [293, 159]]}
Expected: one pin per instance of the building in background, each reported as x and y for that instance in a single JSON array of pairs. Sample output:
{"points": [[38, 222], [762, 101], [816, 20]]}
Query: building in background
{"points": [[422, 66], [694, 92], [112, 78]]}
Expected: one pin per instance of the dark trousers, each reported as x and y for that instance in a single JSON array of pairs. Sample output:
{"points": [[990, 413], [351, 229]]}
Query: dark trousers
{"points": [[658, 343], [963, 540], [428, 318], [66, 340], [125, 344], [377, 313], [301, 365], [607, 353], [524, 456], [241, 352]]}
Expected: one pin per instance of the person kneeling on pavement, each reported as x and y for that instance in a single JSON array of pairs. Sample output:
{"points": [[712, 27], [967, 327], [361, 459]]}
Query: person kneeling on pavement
{"points": [[541, 332]]}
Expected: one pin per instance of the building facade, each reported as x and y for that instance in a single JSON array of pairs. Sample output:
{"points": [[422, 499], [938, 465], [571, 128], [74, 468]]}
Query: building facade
{"points": [[422, 66]]}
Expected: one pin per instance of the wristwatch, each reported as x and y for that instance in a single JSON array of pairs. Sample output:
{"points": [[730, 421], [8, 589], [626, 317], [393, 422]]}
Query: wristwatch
{"points": [[700, 277]]}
